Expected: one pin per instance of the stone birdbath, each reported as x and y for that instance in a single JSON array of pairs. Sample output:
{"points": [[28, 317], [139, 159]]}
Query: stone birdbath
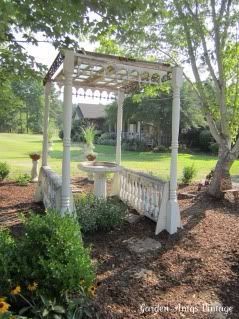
{"points": [[99, 170]]}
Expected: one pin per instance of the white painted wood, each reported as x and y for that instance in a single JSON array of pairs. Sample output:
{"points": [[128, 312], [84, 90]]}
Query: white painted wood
{"points": [[139, 127], [173, 213], [120, 101], [49, 189], [161, 210], [145, 193], [46, 122], [68, 68]]}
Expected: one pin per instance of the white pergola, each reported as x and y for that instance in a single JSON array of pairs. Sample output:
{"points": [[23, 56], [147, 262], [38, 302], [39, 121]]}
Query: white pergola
{"points": [[120, 76]]}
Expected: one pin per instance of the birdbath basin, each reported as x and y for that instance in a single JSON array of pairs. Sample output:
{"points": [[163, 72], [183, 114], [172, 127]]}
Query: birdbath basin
{"points": [[99, 170]]}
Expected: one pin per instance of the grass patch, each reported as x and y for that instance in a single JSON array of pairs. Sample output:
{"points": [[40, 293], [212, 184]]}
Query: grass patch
{"points": [[15, 149]]}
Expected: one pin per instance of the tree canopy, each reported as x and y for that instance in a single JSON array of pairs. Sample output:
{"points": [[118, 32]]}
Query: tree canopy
{"points": [[157, 111], [203, 34]]}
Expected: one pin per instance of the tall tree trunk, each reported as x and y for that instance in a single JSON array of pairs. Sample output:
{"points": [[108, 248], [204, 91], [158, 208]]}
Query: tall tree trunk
{"points": [[221, 178]]}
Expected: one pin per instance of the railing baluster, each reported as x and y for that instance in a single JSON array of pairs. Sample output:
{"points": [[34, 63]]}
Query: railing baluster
{"points": [[142, 192]]}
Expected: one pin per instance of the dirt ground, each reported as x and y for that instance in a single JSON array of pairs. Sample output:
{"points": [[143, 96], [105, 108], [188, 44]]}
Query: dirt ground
{"points": [[196, 268]]}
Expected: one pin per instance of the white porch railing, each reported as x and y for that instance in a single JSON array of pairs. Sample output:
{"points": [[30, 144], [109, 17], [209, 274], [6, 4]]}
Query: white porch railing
{"points": [[147, 194], [49, 189]]}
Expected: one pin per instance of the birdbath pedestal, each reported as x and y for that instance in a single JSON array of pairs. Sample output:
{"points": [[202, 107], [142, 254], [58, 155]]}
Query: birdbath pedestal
{"points": [[100, 170]]}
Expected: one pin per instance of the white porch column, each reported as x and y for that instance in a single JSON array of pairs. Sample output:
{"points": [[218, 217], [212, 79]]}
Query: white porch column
{"points": [[173, 213], [68, 68], [46, 122], [116, 178], [120, 101], [139, 129]]}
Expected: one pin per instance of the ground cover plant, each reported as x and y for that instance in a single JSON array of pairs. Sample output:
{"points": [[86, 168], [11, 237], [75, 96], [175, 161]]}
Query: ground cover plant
{"points": [[98, 213], [189, 172], [23, 179], [45, 271], [15, 149], [4, 170]]}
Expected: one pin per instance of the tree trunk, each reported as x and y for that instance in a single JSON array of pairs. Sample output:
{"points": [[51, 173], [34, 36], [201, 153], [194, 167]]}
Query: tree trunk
{"points": [[221, 179]]}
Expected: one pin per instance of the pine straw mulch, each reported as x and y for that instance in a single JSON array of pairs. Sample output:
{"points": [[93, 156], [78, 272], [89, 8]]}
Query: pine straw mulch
{"points": [[198, 265]]}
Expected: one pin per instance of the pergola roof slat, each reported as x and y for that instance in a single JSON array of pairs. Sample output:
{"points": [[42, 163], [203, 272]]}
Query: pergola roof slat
{"points": [[108, 72]]}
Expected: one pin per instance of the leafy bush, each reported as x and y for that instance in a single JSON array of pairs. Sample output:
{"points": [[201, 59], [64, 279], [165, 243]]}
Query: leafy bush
{"points": [[134, 145], [109, 135], [47, 272], [4, 170], [189, 172], [51, 252], [105, 141], [61, 134], [7, 263], [205, 139], [161, 149], [23, 179], [191, 137], [214, 148], [98, 213], [76, 131], [182, 148]]}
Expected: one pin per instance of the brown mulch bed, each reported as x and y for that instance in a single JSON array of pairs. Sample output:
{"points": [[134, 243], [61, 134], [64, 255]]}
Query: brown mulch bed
{"points": [[197, 266], [14, 201]]}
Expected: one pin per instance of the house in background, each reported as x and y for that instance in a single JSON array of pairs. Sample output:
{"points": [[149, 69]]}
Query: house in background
{"points": [[146, 132], [94, 113]]}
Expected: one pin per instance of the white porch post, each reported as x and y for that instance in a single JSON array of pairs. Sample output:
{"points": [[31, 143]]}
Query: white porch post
{"points": [[139, 129], [116, 178], [46, 122], [173, 213], [120, 101], [68, 68]]}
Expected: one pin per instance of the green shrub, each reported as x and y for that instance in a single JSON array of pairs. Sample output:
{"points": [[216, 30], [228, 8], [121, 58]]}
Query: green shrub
{"points": [[4, 170], [98, 213], [46, 272], [50, 253], [135, 145], [23, 179], [189, 172], [205, 139], [214, 148], [105, 141], [76, 131], [161, 149], [7, 262]]}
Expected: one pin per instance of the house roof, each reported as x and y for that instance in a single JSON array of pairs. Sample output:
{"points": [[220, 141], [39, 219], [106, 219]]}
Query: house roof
{"points": [[91, 111]]}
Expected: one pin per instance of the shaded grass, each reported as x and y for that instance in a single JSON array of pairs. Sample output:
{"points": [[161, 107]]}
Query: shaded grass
{"points": [[14, 149]]}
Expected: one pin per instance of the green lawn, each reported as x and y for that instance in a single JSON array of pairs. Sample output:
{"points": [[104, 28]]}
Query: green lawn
{"points": [[14, 149]]}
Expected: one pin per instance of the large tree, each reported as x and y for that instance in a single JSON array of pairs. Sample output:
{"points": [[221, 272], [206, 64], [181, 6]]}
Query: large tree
{"points": [[157, 110], [203, 34], [63, 23]]}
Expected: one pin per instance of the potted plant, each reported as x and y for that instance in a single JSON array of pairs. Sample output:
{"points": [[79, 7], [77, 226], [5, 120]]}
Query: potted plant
{"points": [[35, 156], [89, 136]]}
